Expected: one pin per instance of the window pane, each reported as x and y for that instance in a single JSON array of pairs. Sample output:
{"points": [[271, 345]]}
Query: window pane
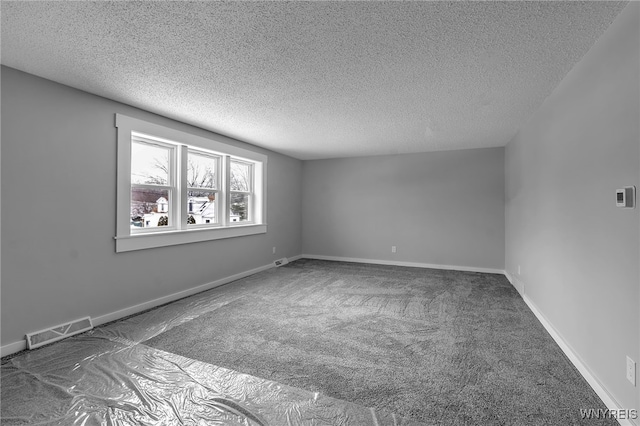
{"points": [[149, 208], [239, 207], [240, 176], [201, 171], [149, 164], [202, 208]]}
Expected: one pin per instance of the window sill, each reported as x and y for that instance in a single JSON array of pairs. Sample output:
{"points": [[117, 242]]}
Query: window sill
{"points": [[171, 238]]}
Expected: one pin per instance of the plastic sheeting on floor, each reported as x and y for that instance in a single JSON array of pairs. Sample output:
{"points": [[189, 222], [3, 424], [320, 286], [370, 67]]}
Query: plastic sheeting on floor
{"points": [[106, 377]]}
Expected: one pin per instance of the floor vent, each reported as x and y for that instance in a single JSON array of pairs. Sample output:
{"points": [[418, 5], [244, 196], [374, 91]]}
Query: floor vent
{"points": [[53, 334], [281, 262]]}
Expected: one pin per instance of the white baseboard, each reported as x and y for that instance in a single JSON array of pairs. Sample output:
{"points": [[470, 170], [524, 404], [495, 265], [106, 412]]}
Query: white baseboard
{"points": [[401, 263], [575, 359], [112, 316], [14, 347], [517, 284]]}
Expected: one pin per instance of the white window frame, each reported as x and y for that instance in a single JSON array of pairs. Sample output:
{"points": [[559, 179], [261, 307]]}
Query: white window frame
{"points": [[171, 186], [250, 193], [181, 233]]}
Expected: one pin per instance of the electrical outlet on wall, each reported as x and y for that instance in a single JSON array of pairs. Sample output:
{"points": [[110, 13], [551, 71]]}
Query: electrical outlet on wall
{"points": [[393, 249], [631, 371], [274, 250]]}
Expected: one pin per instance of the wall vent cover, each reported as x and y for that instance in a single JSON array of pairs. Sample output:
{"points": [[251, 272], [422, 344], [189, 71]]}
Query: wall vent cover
{"points": [[281, 262], [53, 334]]}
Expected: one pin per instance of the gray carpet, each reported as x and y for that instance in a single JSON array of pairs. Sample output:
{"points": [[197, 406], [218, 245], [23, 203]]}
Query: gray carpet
{"points": [[443, 347]]}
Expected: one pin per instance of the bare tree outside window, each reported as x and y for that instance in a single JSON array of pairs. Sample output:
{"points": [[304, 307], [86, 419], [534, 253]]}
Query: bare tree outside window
{"points": [[149, 164], [201, 171], [240, 176]]}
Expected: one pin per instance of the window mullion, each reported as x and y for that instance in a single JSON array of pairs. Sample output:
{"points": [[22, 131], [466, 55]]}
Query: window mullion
{"points": [[226, 170], [181, 176], [220, 190], [251, 212]]}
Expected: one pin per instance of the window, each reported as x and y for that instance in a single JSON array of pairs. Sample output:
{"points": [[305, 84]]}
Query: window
{"points": [[202, 188], [177, 188], [153, 185], [241, 190]]}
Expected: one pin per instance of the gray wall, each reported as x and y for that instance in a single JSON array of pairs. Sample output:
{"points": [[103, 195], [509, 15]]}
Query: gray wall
{"points": [[58, 213], [442, 208], [577, 251]]}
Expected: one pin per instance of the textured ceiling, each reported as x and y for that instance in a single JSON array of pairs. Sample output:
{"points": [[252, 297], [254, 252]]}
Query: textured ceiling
{"points": [[315, 79]]}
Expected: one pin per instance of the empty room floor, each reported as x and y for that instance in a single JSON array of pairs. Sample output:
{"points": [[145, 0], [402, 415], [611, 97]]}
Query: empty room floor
{"points": [[313, 342]]}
